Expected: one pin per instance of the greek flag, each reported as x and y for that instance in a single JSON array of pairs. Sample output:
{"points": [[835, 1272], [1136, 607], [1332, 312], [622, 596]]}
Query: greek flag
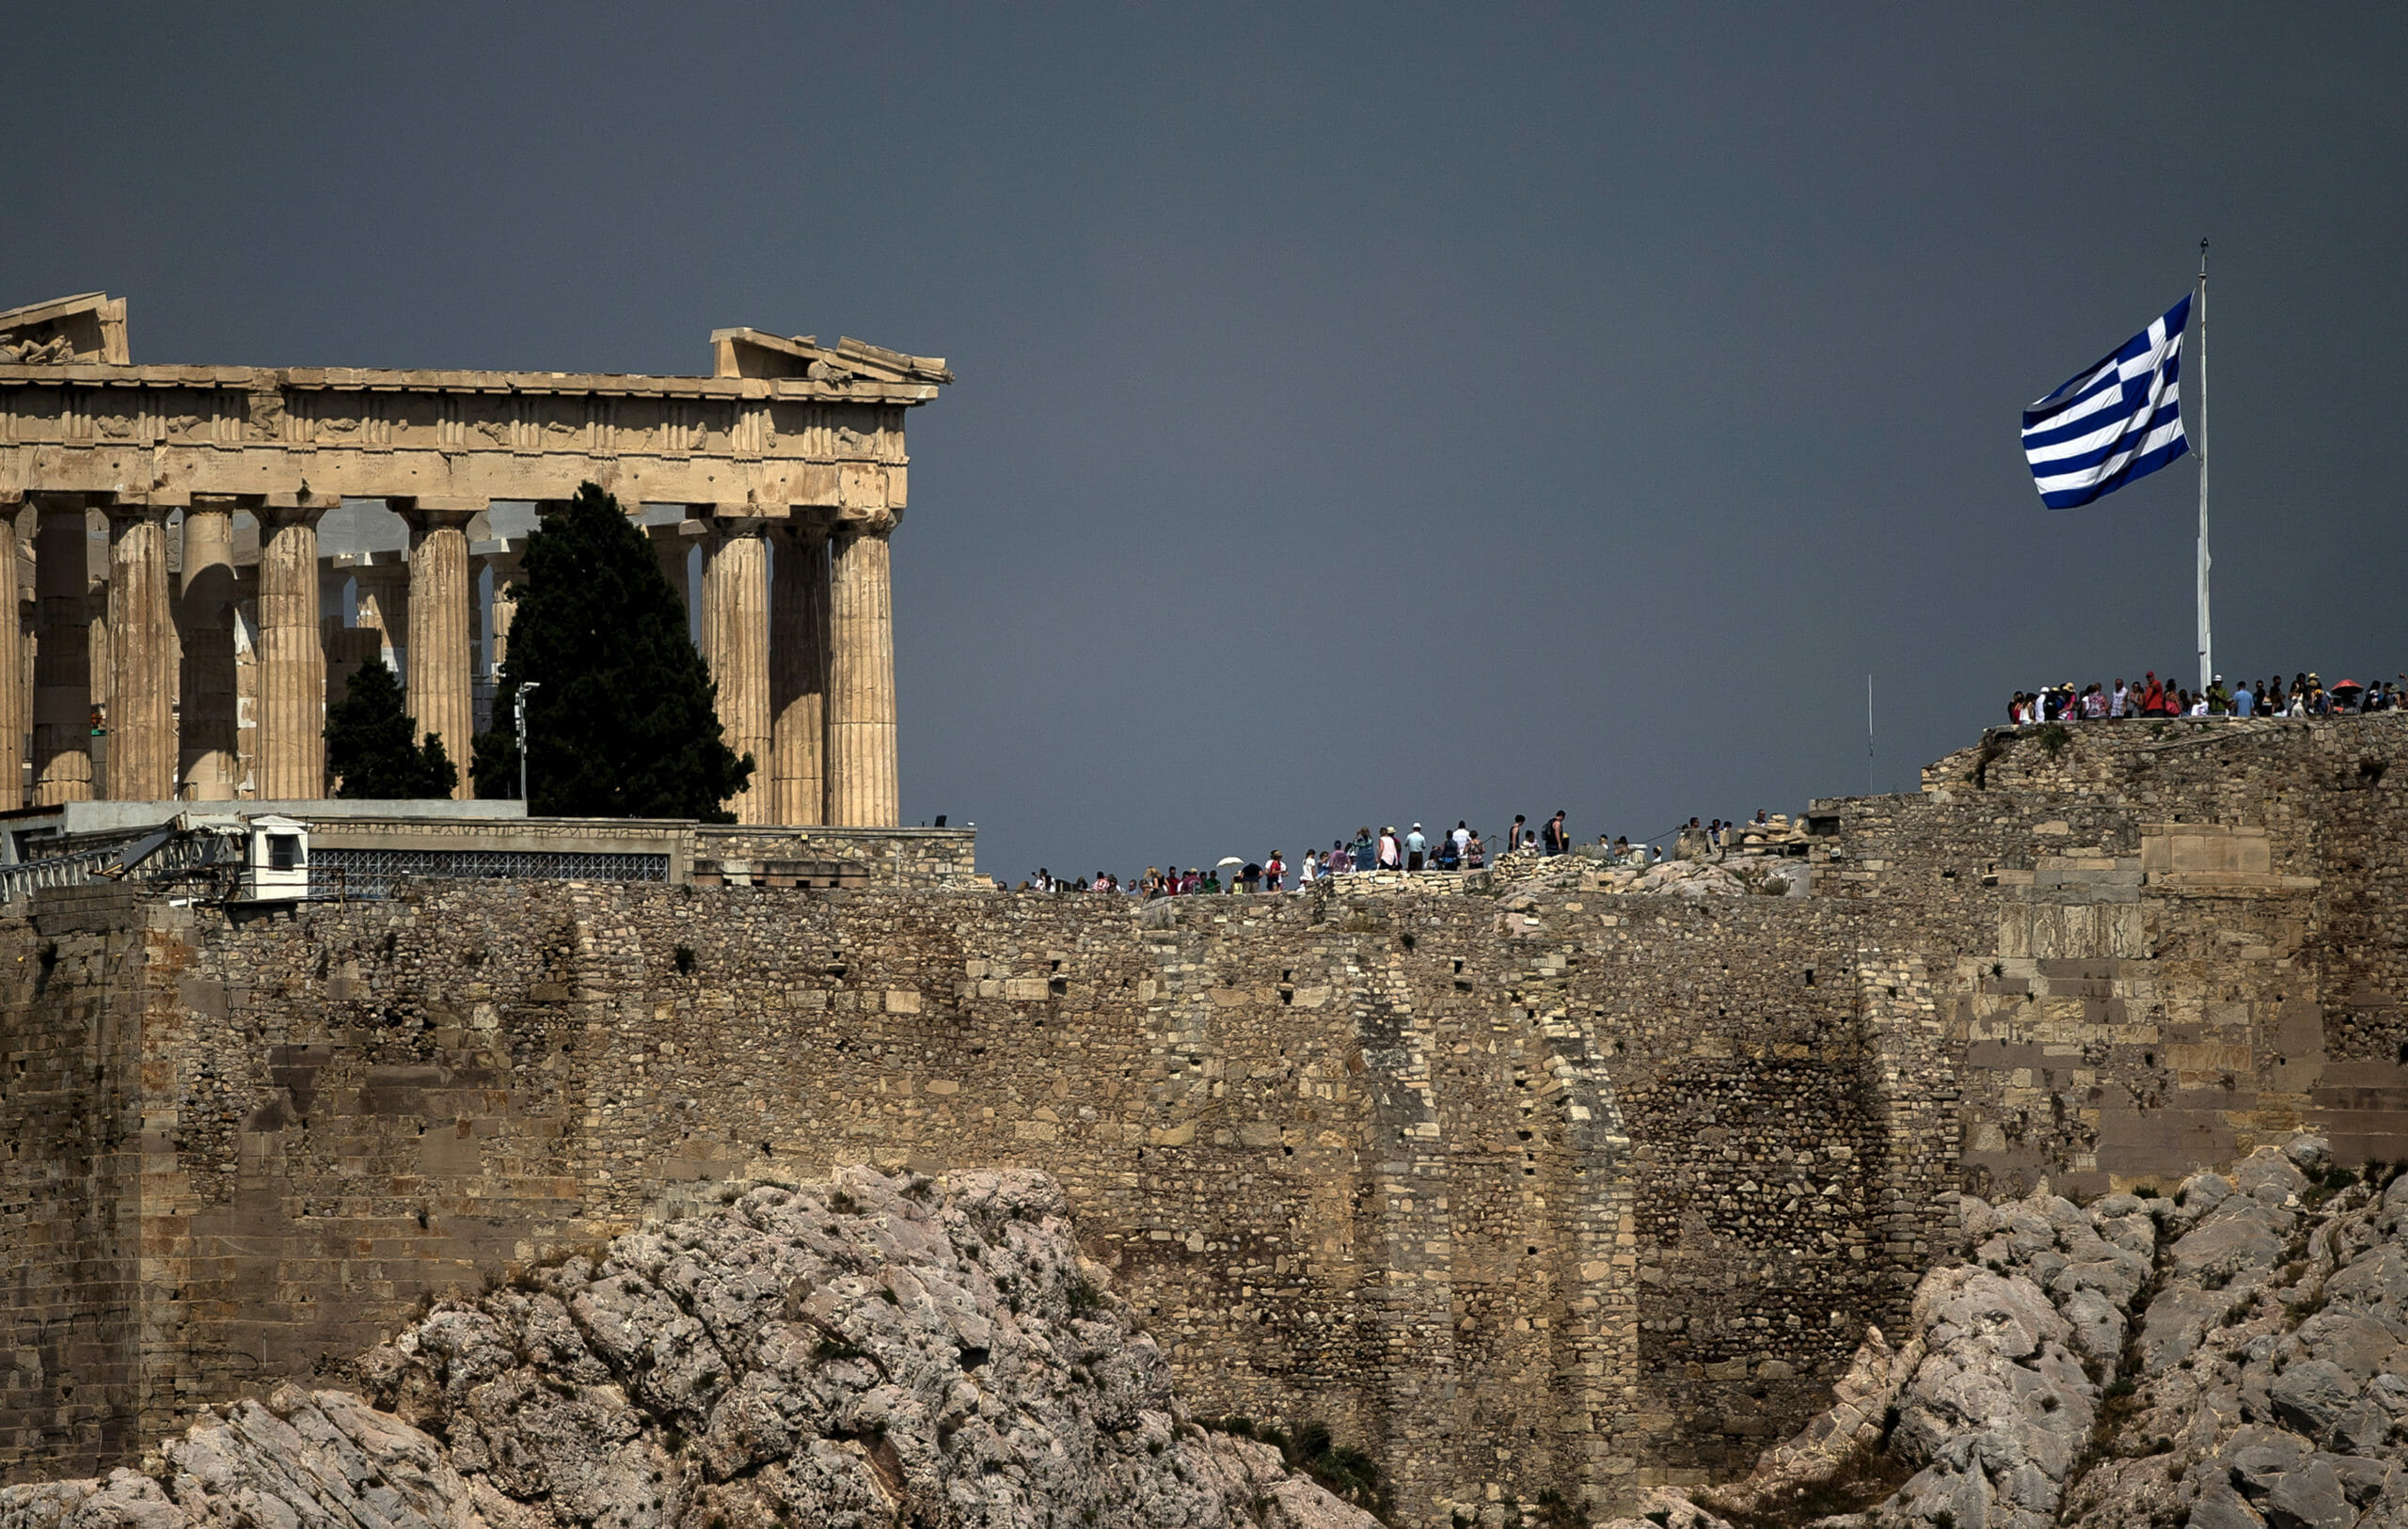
{"points": [[2115, 422]]}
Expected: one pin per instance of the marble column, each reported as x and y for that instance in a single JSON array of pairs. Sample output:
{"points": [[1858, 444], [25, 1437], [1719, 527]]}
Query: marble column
{"points": [[292, 731], [442, 697], [13, 674], [383, 580], [62, 655], [142, 655], [670, 548], [206, 606], [736, 632], [27, 523], [862, 790], [506, 562], [799, 674]]}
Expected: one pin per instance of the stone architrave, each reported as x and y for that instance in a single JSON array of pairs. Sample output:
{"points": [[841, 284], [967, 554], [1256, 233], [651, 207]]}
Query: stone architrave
{"points": [[206, 604], [62, 655], [142, 655], [735, 616], [861, 785], [13, 674], [291, 742], [441, 694], [799, 674]]}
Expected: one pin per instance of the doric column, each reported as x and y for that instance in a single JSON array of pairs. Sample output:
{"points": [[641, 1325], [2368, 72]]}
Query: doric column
{"points": [[142, 655], [440, 696], [383, 605], [505, 558], [862, 790], [799, 674], [736, 632], [96, 642], [669, 544], [62, 655], [206, 606], [292, 731], [13, 721]]}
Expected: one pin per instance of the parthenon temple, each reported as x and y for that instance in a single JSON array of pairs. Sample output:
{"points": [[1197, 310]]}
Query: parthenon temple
{"points": [[183, 624]]}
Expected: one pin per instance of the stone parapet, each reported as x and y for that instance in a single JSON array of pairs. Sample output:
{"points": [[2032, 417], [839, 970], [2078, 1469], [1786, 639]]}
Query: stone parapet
{"points": [[932, 858]]}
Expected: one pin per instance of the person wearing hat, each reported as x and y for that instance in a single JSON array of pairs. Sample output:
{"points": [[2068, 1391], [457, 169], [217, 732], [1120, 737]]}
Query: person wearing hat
{"points": [[1414, 847], [1390, 859]]}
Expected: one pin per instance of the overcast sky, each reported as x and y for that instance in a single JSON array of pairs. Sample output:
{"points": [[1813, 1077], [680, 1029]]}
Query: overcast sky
{"points": [[1367, 414]]}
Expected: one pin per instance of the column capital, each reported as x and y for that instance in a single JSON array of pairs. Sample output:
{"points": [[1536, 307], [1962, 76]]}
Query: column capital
{"points": [[736, 519], [426, 515], [300, 499], [129, 510], [868, 522], [273, 516]]}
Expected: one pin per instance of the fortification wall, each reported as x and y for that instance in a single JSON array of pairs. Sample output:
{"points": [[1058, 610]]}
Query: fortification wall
{"points": [[1332, 1195], [73, 1001], [1554, 1191], [2154, 945]]}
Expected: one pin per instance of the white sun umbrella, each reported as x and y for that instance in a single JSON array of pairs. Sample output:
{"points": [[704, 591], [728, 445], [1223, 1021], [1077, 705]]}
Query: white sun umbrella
{"points": [[1230, 859]]}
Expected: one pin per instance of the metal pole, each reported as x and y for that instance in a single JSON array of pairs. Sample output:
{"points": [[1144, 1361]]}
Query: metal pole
{"points": [[2199, 446], [518, 715], [1868, 737]]}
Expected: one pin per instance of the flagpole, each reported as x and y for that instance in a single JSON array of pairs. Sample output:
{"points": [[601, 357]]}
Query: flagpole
{"points": [[2199, 445]]}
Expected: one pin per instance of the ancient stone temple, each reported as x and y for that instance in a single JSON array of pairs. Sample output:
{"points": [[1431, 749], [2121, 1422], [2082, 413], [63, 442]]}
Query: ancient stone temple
{"points": [[204, 640]]}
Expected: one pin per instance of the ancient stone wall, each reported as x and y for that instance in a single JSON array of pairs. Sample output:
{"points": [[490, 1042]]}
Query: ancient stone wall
{"points": [[71, 1000], [1333, 1195], [2155, 944], [1548, 1190]]}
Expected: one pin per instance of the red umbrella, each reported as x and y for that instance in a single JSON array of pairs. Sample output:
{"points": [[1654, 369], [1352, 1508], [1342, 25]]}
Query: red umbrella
{"points": [[2349, 685]]}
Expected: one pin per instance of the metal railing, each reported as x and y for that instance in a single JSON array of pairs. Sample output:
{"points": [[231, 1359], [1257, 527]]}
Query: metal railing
{"points": [[371, 873]]}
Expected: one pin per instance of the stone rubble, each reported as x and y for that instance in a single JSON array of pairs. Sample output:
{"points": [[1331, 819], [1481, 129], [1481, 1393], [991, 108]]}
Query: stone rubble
{"points": [[1731, 877], [864, 1353], [2227, 1358]]}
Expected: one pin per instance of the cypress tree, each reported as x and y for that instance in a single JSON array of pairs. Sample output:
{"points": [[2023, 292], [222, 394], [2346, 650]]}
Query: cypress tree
{"points": [[369, 748], [623, 722]]}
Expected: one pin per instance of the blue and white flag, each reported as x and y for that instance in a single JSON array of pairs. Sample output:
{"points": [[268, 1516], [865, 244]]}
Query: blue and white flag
{"points": [[2115, 422]]}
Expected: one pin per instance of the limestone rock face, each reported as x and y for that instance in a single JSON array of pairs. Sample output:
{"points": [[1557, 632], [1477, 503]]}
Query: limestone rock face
{"points": [[865, 1352]]}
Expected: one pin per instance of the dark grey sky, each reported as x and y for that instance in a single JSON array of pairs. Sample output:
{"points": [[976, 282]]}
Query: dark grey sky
{"points": [[1365, 414]]}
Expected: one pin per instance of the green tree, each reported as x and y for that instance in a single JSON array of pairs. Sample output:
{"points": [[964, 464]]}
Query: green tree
{"points": [[623, 721], [369, 748]]}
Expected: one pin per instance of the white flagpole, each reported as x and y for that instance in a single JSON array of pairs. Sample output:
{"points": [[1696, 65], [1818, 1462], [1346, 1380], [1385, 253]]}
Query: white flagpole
{"points": [[1870, 789], [2199, 445]]}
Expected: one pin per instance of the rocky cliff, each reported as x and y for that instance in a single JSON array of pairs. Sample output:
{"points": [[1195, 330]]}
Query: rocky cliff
{"points": [[867, 1351], [2227, 1356]]}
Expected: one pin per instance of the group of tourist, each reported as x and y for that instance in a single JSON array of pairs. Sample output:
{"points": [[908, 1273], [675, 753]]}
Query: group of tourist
{"points": [[1412, 852], [2307, 696]]}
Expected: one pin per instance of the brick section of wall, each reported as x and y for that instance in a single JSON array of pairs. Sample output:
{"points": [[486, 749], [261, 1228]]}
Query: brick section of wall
{"points": [[2154, 944], [76, 982]]}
